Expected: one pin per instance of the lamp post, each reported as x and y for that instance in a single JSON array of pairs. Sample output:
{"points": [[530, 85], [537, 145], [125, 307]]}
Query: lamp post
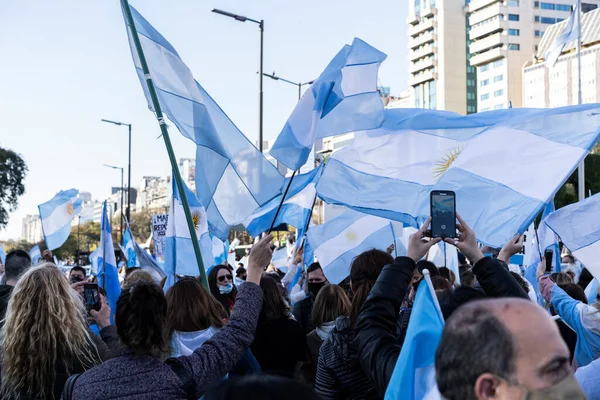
{"points": [[299, 84], [261, 26], [128, 170], [121, 227]]}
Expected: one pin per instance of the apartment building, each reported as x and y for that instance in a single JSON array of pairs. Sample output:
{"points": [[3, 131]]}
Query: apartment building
{"points": [[504, 35], [558, 86], [437, 42]]}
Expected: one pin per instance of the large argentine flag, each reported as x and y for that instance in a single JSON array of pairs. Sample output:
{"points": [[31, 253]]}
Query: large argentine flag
{"points": [[343, 99], [337, 242], [108, 276], [504, 165], [296, 209], [414, 375], [569, 33], [180, 257], [56, 216], [232, 177], [35, 254], [578, 226]]}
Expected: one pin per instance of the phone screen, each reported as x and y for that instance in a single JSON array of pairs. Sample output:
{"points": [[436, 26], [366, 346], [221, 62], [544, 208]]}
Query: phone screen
{"points": [[548, 254], [91, 296], [443, 214]]}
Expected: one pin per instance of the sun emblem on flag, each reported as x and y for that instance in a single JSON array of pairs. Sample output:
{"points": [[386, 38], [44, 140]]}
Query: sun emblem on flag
{"points": [[444, 164], [196, 219], [351, 236], [70, 208]]}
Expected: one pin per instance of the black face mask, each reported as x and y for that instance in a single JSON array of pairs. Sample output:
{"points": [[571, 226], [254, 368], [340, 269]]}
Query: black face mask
{"points": [[315, 287]]}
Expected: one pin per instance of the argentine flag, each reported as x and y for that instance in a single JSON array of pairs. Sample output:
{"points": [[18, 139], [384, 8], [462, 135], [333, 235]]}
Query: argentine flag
{"points": [[180, 257], [569, 33], [108, 276], [504, 165], [336, 242], [129, 248], [296, 208], [35, 254], [343, 99], [56, 216], [578, 226], [2, 255], [233, 178], [414, 375]]}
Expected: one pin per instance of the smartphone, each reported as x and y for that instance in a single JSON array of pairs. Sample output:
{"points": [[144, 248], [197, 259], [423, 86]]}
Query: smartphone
{"points": [[91, 296], [548, 254], [443, 214]]}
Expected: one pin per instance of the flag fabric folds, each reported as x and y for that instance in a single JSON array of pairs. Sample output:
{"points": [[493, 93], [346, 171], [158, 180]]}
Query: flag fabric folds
{"points": [[108, 276], [128, 242], [504, 165], [233, 178], [343, 99], [569, 33], [578, 227], [337, 242], [35, 254], [414, 375], [296, 208], [147, 263], [2, 255], [56, 215], [180, 257]]}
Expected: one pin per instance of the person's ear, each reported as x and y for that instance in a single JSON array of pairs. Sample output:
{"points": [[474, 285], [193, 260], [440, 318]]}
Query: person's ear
{"points": [[488, 387]]}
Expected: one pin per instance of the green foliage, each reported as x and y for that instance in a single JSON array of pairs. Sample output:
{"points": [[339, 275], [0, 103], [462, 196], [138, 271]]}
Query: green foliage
{"points": [[12, 175], [568, 192], [141, 225], [89, 239], [12, 244]]}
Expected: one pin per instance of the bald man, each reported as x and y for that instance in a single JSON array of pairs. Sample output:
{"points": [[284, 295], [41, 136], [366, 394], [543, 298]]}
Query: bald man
{"points": [[503, 349]]}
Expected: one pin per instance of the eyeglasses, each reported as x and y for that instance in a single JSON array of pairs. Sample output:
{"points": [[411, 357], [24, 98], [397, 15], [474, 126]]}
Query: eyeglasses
{"points": [[223, 277]]}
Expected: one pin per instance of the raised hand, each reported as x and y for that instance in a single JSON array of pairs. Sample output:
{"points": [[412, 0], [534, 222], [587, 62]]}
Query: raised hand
{"points": [[512, 247], [417, 248], [466, 242], [260, 257]]}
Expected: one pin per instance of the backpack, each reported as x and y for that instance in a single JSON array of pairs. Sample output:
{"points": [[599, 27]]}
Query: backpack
{"points": [[176, 366]]}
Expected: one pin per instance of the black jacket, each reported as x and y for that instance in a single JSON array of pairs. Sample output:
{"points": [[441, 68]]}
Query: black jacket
{"points": [[5, 293], [302, 311], [376, 339], [339, 374]]}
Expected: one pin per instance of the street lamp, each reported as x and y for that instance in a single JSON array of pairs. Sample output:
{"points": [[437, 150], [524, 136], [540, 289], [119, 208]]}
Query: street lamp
{"points": [[128, 170], [121, 168], [278, 78], [261, 26]]}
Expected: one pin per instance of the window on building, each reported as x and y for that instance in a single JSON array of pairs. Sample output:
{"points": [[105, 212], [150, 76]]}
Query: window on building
{"points": [[536, 18], [432, 96], [471, 109], [548, 6], [484, 68], [498, 63], [431, 3], [498, 93], [548, 20], [514, 46], [514, 32], [563, 7], [418, 96], [513, 3], [559, 20], [513, 17], [536, 4], [470, 82], [417, 7], [484, 82], [538, 34], [498, 106], [498, 78], [484, 97]]}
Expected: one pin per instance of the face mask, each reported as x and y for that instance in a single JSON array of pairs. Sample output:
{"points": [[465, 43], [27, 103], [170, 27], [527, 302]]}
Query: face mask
{"points": [[226, 289], [568, 388], [314, 287]]}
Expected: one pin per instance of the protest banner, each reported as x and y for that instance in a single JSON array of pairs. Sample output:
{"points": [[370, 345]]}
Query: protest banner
{"points": [[159, 230]]}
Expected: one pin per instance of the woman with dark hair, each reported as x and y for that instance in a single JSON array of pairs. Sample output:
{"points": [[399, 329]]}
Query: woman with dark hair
{"points": [[220, 281], [140, 372], [280, 342], [331, 303], [339, 374]]}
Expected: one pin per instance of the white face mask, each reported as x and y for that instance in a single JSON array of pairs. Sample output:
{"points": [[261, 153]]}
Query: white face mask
{"points": [[226, 289]]}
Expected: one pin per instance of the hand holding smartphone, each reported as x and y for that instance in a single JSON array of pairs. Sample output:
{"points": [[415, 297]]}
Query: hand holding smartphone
{"points": [[443, 214], [548, 255], [91, 297]]}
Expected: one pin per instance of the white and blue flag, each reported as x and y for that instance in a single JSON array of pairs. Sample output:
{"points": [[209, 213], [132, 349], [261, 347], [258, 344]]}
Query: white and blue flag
{"points": [[220, 250], [180, 257], [414, 375], [108, 276], [93, 257], [129, 248], [295, 210], [337, 242], [2, 255], [56, 215], [147, 263], [343, 99], [233, 178], [578, 227], [504, 165], [35, 254], [569, 33]]}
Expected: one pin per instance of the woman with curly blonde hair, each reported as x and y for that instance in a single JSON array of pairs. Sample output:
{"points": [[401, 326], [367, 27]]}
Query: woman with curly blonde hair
{"points": [[46, 338]]}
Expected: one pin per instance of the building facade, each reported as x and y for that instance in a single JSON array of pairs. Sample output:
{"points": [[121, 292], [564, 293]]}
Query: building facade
{"points": [[437, 43], [31, 230], [557, 87], [504, 35]]}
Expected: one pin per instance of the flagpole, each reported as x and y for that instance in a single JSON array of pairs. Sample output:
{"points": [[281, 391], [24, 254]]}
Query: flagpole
{"points": [[282, 200], [103, 242], [167, 139], [581, 169]]}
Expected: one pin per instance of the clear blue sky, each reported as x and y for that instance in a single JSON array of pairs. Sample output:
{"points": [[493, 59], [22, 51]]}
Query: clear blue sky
{"points": [[66, 64]]}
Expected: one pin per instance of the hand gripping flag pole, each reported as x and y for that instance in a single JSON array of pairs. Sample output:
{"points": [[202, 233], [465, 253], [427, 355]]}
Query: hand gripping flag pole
{"points": [[165, 135]]}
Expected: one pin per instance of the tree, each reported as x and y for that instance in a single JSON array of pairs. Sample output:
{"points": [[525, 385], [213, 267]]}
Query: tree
{"points": [[89, 238], [141, 225], [12, 175], [567, 194]]}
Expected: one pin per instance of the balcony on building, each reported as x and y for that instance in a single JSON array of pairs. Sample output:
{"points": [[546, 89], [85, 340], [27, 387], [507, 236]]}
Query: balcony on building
{"points": [[427, 37], [424, 51], [413, 19], [426, 24], [422, 65], [488, 42], [487, 12], [488, 28], [488, 56], [428, 75], [475, 5]]}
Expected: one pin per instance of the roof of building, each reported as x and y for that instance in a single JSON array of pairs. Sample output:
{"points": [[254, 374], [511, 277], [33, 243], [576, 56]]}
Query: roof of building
{"points": [[590, 33]]}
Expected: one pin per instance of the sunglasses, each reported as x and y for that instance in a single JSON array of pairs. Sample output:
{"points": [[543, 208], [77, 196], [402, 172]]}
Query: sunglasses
{"points": [[223, 277]]}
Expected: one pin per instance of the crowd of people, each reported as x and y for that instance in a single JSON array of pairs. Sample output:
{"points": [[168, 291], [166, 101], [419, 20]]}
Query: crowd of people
{"points": [[258, 333]]}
